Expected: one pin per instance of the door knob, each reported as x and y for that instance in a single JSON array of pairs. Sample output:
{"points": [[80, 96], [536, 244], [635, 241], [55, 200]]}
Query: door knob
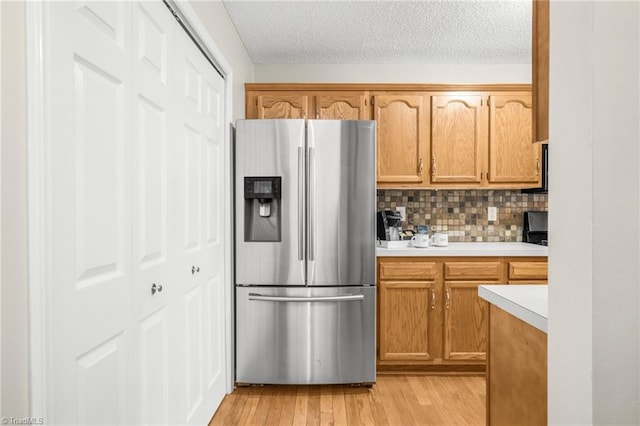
{"points": [[156, 288]]}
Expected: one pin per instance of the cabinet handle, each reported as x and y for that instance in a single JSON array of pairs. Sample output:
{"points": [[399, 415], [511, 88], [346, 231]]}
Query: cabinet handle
{"points": [[537, 167], [433, 166], [448, 299], [195, 269], [433, 299], [420, 167]]}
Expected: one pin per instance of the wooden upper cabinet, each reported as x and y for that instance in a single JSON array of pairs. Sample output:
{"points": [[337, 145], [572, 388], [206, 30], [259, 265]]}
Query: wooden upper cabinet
{"points": [[540, 71], [402, 138], [341, 106], [456, 139], [512, 156], [281, 105]]}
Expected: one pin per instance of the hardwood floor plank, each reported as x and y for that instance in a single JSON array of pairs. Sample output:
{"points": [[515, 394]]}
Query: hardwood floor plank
{"points": [[363, 403], [250, 406], [339, 405], [351, 405], [262, 409], [300, 412], [288, 406], [313, 406], [395, 400], [326, 406], [379, 415], [275, 408]]}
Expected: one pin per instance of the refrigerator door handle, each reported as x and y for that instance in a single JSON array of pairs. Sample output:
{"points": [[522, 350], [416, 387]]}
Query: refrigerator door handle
{"points": [[311, 202], [301, 182], [346, 298]]}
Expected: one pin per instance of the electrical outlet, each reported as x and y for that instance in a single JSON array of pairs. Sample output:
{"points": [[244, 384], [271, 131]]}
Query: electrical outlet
{"points": [[403, 213], [492, 214]]}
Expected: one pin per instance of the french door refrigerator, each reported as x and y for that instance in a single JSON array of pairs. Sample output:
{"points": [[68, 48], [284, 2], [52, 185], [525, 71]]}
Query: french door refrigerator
{"points": [[305, 251]]}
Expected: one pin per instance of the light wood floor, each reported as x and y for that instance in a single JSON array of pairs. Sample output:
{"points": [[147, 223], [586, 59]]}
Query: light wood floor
{"points": [[400, 400]]}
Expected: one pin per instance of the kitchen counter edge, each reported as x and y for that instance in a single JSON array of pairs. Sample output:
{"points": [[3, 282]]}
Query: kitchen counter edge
{"points": [[469, 249], [528, 303]]}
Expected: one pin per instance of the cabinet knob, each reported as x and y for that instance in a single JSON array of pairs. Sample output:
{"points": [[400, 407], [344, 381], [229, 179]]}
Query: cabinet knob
{"points": [[195, 269], [156, 288]]}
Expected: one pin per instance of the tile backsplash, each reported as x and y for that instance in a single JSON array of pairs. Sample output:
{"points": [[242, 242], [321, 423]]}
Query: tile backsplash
{"points": [[462, 214]]}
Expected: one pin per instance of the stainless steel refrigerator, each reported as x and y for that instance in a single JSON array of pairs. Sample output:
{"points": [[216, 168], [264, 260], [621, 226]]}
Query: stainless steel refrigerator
{"points": [[305, 251]]}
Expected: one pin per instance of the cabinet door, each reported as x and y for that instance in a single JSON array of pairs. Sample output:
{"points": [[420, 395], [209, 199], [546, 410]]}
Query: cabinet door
{"points": [[402, 146], [465, 322], [540, 71], [456, 139], [406, 312], [341, 106], [512, 156], [281, 105]]}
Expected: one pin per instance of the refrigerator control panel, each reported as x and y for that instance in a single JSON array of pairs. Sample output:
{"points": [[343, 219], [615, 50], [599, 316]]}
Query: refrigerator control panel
{"points": [[265, 188]]}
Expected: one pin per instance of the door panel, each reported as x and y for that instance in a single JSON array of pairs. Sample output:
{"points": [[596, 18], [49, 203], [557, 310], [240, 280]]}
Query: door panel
{"points": [[513, 158], [402, 138], [456, 145], [199, 196], [88, 175], [153, 239], [271, 148], [341, 218], [102, 383], [300, 342]]}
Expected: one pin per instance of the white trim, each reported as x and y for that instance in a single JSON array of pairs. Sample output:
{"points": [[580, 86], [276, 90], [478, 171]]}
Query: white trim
{"points": [[38, 208], [227, 72], [1, 413]]}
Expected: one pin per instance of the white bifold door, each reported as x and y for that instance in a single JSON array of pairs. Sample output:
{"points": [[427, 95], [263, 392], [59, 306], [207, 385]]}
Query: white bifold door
{"points": [[134, 191]]}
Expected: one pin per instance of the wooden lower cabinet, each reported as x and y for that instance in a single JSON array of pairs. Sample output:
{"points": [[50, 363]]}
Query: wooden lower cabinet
{"points": [[406, 316], [430, 316], [465, 322]]}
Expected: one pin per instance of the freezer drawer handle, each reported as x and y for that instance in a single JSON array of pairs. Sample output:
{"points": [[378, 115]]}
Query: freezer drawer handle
{"points": [[347, 298]]}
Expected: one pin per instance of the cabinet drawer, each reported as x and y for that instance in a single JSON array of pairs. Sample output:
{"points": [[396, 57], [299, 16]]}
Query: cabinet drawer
{"points": [[472, 270], [527, 270], [407, 270]]}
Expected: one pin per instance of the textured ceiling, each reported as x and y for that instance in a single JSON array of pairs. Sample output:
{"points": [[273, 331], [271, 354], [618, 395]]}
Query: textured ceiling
{"points": [[384, 32]]}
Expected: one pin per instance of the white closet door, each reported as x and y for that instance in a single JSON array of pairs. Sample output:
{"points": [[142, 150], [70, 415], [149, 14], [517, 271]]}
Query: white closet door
{"points": [[136, 192], [198, 194], [153, 286], [90, 220]]}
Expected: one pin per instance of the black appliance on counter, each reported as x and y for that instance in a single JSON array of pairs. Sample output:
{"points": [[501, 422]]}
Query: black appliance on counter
{"points": [[544, 188], [387, 219], [534, 229]]}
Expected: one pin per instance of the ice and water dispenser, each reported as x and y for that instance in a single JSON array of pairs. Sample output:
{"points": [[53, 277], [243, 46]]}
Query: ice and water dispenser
{"points": [[262, 209]]}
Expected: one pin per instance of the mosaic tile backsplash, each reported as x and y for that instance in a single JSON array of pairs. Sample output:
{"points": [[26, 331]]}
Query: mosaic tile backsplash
{"points": [[462, 214]]}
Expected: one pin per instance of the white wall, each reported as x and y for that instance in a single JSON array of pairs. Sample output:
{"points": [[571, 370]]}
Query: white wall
{"points": [[595, 193], [14, 391], [414, 73], [214, 16]]}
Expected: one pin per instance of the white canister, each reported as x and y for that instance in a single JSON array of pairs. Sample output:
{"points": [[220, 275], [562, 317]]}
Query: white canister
{"points": [[440, 240]]}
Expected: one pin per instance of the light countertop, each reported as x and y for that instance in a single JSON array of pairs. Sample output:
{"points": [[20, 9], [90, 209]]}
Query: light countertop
{"points": [[526, 302], [469, 249]]}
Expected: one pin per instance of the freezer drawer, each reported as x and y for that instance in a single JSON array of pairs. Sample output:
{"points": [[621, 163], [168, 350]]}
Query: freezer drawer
{"points": [[305, 335]]}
